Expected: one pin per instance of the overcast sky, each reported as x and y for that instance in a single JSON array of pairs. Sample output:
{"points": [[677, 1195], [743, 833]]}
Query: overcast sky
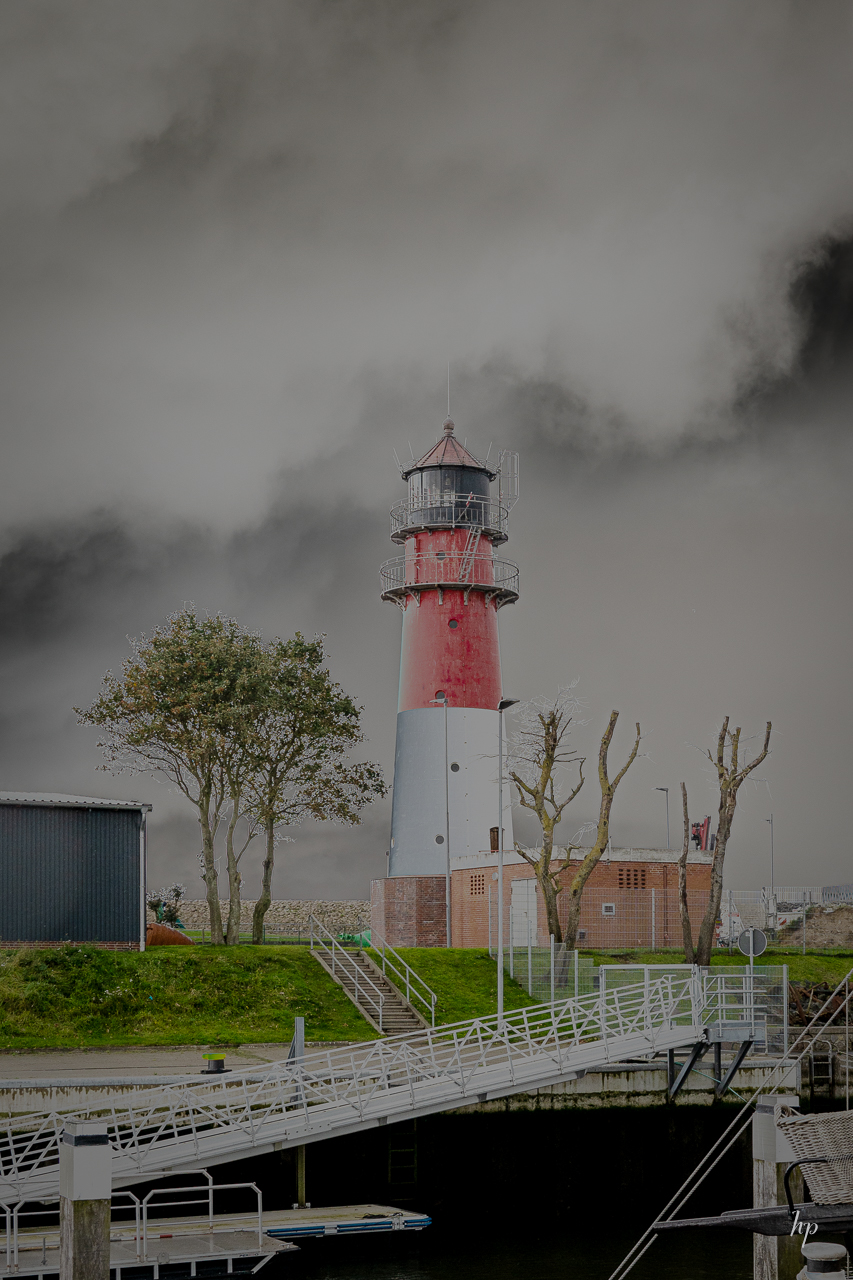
{"points": [[239, 242]]}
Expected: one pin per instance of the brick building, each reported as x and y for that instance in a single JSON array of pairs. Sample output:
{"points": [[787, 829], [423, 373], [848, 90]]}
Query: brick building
{"points": [[630, 900]]}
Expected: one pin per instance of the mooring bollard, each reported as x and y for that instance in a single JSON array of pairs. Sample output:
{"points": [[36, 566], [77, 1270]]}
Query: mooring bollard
{"points": [[85, 1189], [823, 1261], [216, 1064]]}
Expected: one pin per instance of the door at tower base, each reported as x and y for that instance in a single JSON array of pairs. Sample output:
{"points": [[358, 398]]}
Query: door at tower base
{"points": [[431, 780]]}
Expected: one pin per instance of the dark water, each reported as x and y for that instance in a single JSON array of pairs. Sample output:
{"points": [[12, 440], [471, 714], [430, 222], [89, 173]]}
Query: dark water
{"points": [[439, 1254], [517, 1196]]}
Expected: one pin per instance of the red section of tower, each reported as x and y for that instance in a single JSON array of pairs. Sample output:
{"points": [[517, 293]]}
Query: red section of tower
{"points": [[450, 634]]}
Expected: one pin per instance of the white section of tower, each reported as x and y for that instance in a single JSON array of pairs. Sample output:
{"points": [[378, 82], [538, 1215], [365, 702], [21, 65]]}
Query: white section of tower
{"points": [[421, 799]]}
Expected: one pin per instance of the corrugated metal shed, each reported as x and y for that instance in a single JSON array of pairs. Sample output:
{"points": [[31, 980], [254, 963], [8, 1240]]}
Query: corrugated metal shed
{"points": [[72, 869]]}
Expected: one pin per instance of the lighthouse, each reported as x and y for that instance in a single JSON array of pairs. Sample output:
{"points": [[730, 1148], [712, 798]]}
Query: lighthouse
{"points": [[449, 584]]}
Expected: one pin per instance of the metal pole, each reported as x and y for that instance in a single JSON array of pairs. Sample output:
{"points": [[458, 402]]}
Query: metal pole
{"points": [[490, 917], [665, 790], [552, 968], [511, 945], [785, 1004], [447, 819], [529, 951], [653, 920], [577, 966], [501, 866], [804, 922]]}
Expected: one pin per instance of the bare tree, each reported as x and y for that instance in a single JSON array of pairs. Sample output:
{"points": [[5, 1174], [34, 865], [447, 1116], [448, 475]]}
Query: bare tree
{"points": [[731, 772], [540, 755], [686, 929], [602, 833]]}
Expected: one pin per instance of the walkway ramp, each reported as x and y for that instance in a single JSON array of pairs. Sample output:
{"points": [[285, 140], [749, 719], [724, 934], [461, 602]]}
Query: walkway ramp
{"points": [[330, 1093]]}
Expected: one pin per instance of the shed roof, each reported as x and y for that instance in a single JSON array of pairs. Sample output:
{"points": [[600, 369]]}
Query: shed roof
{"points": [[50, 799]]}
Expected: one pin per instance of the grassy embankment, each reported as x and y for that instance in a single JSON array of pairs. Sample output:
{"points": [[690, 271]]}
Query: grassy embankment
{"points": [[83, 997]]}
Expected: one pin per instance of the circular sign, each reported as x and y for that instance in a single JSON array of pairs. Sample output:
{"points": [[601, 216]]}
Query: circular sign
{"points": [[752, 942]]}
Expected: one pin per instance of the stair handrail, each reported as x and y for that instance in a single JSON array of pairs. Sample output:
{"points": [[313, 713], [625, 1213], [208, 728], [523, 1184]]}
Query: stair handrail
{"points": [[364, 984], [405, 975]]}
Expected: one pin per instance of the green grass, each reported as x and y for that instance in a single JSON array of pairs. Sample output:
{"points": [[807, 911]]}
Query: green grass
{"points": [[465, 982], [82, 996], [814, 966]]}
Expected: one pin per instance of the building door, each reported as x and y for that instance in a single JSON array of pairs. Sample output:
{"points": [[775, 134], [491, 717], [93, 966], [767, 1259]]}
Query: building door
{"points": [[523, 912]]}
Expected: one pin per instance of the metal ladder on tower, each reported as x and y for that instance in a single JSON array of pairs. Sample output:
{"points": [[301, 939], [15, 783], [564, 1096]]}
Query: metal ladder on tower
{"points": [[466, 566]]}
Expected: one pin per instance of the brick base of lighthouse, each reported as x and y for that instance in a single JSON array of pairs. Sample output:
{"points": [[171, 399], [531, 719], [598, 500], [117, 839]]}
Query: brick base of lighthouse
{"points": [[631, 901], [409, 911]]}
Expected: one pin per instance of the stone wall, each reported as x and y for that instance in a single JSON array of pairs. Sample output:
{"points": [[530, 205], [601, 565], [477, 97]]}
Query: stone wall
{"points": [[338, 917]]}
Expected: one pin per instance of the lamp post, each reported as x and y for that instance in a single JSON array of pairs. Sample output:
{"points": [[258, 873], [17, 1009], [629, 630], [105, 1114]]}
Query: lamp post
{"points": [[666, 789], [770, 820], [441, 701], [502, 706]]}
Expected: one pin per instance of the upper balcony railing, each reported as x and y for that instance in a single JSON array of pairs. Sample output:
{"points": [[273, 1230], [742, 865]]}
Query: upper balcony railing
{"points": [[449, 511], [428, 571]]}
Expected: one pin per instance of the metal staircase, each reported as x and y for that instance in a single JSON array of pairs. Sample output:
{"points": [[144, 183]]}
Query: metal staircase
{"points": [[370, 990], [329, 1093]]}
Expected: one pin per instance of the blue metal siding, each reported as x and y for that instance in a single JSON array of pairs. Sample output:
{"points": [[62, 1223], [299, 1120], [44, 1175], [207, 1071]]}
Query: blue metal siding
{"points": [[69, 874]]}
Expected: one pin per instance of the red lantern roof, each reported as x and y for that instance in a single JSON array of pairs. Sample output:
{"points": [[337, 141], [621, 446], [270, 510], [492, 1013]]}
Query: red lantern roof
{"points": [[448, 452]]}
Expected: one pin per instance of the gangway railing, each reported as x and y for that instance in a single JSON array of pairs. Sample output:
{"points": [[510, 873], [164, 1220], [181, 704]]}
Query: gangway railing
{"points": [[345, 1090], [406, 978], [18, 1237], [341, 964]]}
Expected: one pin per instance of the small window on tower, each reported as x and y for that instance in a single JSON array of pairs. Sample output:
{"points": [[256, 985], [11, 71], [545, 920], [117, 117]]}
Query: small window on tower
{"points": [[453, 624], [454, 768], [439, 839], [439, 555]]}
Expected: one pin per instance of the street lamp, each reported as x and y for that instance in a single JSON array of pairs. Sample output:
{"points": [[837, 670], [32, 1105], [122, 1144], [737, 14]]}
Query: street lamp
{"points": [[441, 700], [770, 820], [666, 789], [502, 706]]}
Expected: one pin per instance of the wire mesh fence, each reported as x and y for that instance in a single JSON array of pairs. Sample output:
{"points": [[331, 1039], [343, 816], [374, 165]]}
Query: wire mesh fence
{"points": [[549, 973]]}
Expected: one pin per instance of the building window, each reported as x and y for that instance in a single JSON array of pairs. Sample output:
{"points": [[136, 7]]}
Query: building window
{"points": [[632, 877], [608, 908], [478, 883]]}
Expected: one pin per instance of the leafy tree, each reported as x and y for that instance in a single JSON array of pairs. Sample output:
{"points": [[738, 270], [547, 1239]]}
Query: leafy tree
{"points": [[244, 730], [172, 711], [731, 769], [299, 738]]}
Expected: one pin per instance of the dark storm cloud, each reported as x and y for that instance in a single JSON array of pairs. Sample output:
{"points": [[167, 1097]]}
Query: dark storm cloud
{"points": [[238, 244]]}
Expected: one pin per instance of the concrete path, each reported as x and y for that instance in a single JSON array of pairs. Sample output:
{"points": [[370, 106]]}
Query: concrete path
{"points": [[155, 1061]]}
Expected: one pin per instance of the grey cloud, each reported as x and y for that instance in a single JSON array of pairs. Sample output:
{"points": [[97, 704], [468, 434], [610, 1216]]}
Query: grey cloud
{"points": [[243, 240]]}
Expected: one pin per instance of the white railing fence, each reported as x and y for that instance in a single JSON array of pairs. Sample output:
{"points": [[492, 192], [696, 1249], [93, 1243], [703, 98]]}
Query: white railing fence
{"points": [[342, 965], [342, 1090], [404, 977]]}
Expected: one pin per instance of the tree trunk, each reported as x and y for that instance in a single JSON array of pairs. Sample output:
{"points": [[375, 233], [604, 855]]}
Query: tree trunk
{"points": [[550, 893], [232, 937], [707, 929], [210, 879], [602, 835], [686, 930], [263, 902]]}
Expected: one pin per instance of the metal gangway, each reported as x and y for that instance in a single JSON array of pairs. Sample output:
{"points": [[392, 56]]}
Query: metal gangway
{"points": [[195, 1124]]}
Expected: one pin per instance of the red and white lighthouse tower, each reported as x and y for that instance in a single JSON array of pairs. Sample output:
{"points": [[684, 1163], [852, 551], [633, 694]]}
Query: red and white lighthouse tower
{"points": [[449, 585]]}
